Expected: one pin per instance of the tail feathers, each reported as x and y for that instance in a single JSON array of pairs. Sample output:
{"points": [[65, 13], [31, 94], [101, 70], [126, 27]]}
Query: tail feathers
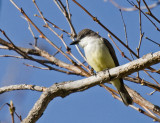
{"points": [[127, 100]]}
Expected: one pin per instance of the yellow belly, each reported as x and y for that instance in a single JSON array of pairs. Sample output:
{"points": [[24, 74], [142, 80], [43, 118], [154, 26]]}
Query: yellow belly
{"points": [[99, 57]]}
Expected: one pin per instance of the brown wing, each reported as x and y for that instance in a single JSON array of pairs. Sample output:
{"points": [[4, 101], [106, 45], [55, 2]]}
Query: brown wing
{"points": [[111, 50], [122, 90]]}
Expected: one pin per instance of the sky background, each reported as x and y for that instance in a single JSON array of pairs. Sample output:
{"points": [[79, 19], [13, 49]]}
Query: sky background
{"points": [[94, 105]]}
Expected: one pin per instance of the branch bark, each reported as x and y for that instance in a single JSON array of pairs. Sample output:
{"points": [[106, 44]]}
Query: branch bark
{"points": [[66, 88], [46, 55], [22, 87]]}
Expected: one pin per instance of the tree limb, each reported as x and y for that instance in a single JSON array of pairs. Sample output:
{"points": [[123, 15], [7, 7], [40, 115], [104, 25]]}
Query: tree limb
{"points": [[21, 87], [66, 88], [46, 55]]}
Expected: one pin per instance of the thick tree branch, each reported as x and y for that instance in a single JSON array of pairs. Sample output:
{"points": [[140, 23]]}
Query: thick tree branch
{"points": [[66, 88]]}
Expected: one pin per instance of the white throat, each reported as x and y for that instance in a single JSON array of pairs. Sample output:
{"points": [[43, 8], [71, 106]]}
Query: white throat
{"points": [[90, 40]]}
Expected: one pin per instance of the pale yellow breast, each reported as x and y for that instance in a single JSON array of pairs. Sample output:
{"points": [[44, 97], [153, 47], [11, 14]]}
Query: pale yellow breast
{"points": [[98, 56]]}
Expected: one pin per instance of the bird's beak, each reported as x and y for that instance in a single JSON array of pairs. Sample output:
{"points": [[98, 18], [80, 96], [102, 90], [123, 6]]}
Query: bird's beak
{"points": [[74, 42]]}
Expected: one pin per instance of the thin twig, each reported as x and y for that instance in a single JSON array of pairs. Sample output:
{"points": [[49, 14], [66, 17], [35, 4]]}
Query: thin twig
{"points": [[125, 30], [142, 82], [30, 29], [152, 41], [134, 9], [145, 113], [122, 53], [152, 78], [151, 93], [69, 14], [133, 4], [36, 67], [3, 47], [55, 26], [149, 12], [66, 14], [140, 28], [19, 57]]}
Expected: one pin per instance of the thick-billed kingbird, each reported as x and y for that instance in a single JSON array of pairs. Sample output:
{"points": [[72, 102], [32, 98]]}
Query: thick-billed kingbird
{"points": [[100, 55]]}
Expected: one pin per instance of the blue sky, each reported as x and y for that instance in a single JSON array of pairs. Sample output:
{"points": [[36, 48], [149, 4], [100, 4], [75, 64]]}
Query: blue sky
{"points": [[94, 105]]}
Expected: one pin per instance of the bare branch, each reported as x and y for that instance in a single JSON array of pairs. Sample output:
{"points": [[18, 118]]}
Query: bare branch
{"points": [[60, 63], [52, 60], [67, 15], [153, 41], [133, 4], [145, 113], [133, 9], [22, 87], [143, 82], [150, 13], [66, 88], [18, 57]]}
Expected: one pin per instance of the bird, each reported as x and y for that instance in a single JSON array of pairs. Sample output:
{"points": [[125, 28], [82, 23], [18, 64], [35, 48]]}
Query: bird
{"points": [[100, 55]]}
